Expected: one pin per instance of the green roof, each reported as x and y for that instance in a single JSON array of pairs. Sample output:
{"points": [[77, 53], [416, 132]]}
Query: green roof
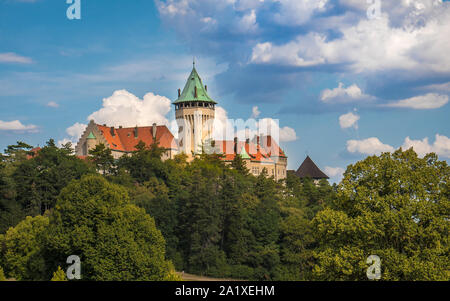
{"points": [[188, 93], [244, 154], [91, 136]]}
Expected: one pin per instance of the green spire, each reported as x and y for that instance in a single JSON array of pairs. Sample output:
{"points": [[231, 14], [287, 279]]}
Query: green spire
{"points": [[194, 81], [91, 136], [244, 154]]}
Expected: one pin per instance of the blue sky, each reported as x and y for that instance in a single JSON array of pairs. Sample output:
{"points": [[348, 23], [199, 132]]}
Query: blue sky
{"points": [[345, 78]]}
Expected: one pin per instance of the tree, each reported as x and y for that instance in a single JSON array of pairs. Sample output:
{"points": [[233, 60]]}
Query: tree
{"points": [[59, 275], [40, 179], [11, 212], [114, 239], [103, 159], [395, 206], [21, 251], [200, 218], [153, 196], [145, 162], [2, 275]]}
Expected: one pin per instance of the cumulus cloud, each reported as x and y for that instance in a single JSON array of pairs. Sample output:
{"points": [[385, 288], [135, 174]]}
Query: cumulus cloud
{"points": [[294, 12], [349, 120], [373, 146], [369, 146], [52, 104], [255, 112], [248, 22], [75, 131], [441, 146], [227, 129], [11, 57], [125, 109], [341, 94], [336, 173], [371, 45], [422, 102], [16, 125]]}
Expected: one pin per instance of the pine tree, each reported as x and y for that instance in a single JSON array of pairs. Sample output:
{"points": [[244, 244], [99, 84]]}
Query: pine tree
{"points": [[2, 275], [59, 275]]}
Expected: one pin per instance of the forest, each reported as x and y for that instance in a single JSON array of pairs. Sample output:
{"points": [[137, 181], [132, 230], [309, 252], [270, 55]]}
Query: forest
{"points": [[141, 218]]}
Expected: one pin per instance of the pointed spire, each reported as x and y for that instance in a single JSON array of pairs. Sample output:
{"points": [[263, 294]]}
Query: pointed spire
{"points": [[194, 90], [244, 153], [91, 136], [310, 169]]}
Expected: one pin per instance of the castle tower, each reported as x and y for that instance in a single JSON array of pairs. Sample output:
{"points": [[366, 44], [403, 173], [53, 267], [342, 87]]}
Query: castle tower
{"points": [[194, 112]]}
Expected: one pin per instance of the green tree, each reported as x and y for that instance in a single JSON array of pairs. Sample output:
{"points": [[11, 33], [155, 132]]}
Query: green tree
{"points": [[102, 158], [59, 275], [396, 206], [114, 239], [2, 275], [153, 196], [145, 162], [11, 212], [21, 249], [40, 179]]}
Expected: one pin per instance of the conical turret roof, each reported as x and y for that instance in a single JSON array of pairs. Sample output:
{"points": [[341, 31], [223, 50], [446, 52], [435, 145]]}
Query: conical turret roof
{"points": [[309, 169], [193, 83]]}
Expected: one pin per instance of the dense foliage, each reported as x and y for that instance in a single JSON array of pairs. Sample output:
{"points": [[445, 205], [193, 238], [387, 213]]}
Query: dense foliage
{"points": [[395, 206], [215, 219]]}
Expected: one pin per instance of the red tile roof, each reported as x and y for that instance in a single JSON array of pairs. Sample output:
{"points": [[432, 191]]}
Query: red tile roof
{"points": [[258, 153], [124, 138]]}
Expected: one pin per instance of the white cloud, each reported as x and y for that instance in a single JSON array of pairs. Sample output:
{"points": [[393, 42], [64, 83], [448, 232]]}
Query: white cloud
{"points": [[370, 146], [422, 102], [248, 23], [287, 134], [349, 120], [75, 131], [16, 125], [255, 112], [336, 173], [52, 104], [125, 109], [373, 146], [11, 57], [441, 146], [295, 12], [224, 128], [341, 94], [445, 87], [371, 45]]}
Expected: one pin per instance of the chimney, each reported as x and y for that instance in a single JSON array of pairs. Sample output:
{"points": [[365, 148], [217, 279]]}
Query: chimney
{"points": [[247, 141], [179, 93], [112, 131], [154, 130], [136, 132], [235, 144], [206, 88], [195, 91], [269, 141], [257, 140]]}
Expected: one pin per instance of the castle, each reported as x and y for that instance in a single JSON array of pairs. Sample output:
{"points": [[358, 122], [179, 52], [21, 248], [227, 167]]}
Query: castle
{"points": [[195, 114]]}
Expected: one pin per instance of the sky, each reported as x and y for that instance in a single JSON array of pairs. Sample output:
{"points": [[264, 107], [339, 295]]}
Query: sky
{"points": [[345, 78]]}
